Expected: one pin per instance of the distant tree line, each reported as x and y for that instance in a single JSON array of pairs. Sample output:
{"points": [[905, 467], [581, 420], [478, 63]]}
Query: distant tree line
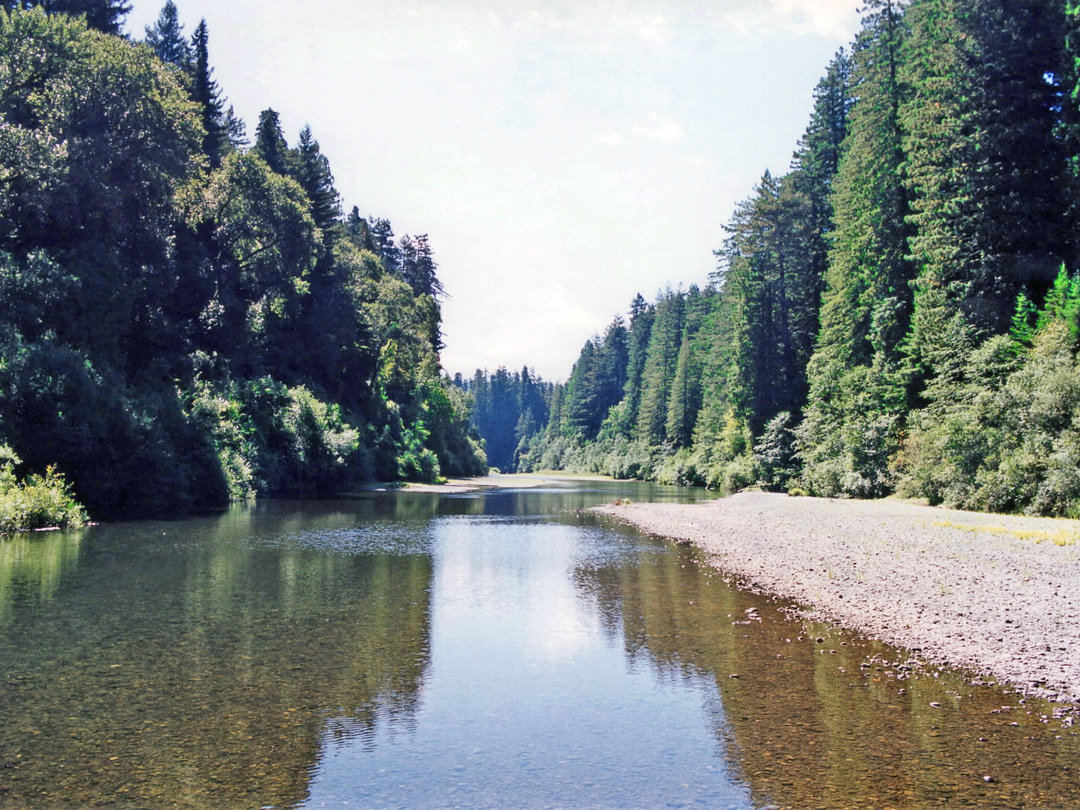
{"points": [[898, 312], [187, 317], [508, 410]]}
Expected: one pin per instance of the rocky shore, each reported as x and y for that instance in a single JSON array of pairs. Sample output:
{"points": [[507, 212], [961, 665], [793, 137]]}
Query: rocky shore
{"points": [[996, 595]]}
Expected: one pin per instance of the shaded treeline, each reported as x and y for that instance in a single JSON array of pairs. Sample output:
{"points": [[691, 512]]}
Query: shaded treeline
{"points": [[898, 312], [509, 409], [188, 316]]}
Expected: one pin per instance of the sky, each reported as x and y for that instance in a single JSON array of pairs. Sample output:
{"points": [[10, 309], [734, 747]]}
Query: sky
{"points": [[561, 156]]}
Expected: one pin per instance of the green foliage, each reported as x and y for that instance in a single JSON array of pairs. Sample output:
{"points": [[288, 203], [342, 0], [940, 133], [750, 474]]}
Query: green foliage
{"points": [[1062, 304], [38, 502], [774, 452], [509, 411], [983, 160], [1022, 329], [104, 15], [185, 322], [1009, 443], [658, 373], [166, 38]]}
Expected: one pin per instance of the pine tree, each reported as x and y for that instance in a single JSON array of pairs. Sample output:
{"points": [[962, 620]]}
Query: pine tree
{"points": [[855, 373], [417, 266], [382, 244], [205, 92], [642, 315], [582, 393], [236, 129], [166, 38], [817, 160], [685, 397], [312, 171], [983, 161], [270, 142], [613, 362], [773, 292], [659, 371]]}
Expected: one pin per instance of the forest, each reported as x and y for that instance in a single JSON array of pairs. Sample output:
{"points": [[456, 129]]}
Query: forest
{"points": [[898, 313], [187, 314]]}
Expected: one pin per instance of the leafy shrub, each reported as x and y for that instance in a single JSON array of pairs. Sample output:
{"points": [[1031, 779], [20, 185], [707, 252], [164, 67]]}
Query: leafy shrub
{"points": [[37, 502], [1010, 441]]}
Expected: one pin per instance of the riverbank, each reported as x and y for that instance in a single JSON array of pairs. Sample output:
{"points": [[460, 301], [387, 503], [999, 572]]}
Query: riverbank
{"points": [[997, 595], [458, 485]]}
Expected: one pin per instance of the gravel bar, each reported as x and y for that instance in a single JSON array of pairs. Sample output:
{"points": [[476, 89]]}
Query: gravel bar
{"points": [[997, 595]]}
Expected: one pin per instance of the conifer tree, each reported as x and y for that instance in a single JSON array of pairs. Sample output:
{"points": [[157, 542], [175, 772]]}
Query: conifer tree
{"points": [[854, 374], [312, 172], [817, 159], [773, 294], [236, 129], [642, 315], [659, 371], [614, 358], [166, 38], [983, 160], [685, 397], [417, 265], [205, 92], [270, 142], [382, 244]]}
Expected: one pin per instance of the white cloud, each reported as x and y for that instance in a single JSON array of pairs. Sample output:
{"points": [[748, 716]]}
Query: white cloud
{"points": [[652, 27], [828, 18], [659, 130], [608, 139], [835, 19]]}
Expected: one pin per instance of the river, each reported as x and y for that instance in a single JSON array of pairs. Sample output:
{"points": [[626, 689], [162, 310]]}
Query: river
{"points": [[480, 650]]}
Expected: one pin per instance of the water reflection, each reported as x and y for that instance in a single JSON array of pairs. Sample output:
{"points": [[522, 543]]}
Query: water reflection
{"points": [[481, 650], [32, 566], [195, 664], [817, 718], [528, 703]]}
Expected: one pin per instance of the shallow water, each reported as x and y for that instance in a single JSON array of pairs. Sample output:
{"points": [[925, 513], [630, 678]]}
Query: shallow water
{"points": [[489, 650]]}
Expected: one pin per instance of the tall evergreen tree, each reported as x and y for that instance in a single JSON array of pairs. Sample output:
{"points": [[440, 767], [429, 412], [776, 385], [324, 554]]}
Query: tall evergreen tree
{"points": [[206, 93], [642, 315], [817, 159], [772, 289], [685, 397], [236, 129], [854, 375], [312, 171], [166, 38], [983, 160], [659, 371], [417, 265], [381, 235], [417, 269], [270, 142]]}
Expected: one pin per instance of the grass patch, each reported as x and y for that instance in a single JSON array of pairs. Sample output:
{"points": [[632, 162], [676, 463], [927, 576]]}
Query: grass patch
{"points": [[1059, 537]]}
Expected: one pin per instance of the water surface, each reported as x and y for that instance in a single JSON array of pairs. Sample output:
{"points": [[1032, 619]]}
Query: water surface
{"points": [[493, 650]]}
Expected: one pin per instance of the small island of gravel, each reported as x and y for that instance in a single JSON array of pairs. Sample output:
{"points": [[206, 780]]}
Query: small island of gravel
{"points": [[995, 594]]}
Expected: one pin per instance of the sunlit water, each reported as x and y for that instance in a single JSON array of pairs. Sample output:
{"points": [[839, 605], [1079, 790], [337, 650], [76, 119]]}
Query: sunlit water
{"points": [[496, 650]]}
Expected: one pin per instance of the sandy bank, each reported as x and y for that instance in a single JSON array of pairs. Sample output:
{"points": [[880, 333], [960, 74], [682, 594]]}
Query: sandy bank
{"points": [[998, 595], [454, 485]]}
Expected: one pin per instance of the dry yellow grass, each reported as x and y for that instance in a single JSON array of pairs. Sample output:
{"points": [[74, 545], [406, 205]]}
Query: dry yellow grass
{"points": [[1059, 537]]}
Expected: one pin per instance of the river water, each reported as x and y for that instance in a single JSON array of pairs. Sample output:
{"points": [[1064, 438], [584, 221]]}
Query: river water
{"points": [[489, 650]]}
